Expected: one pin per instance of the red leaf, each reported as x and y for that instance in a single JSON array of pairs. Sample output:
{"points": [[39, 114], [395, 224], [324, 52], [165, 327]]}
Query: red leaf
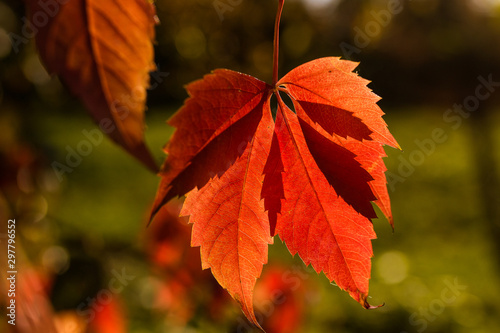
{"points": [[230, 223], [310, 177], [338, 100], [316, 222], [216, 109], [103, 51], [336, 90]]}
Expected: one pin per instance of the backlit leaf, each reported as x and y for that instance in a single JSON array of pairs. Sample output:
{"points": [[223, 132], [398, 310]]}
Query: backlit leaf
{"points": [[103, 51], [310, 176]]}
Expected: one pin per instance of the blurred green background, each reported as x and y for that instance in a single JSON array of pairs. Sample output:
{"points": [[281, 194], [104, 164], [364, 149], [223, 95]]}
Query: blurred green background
{"points": [[437, 272]]}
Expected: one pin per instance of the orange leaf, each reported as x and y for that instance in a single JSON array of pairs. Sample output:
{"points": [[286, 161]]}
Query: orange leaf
{"points": [[230, 223], [103, 51], [347, 114], [310, 176], [338, 100], [315, 221], [209, 135]]}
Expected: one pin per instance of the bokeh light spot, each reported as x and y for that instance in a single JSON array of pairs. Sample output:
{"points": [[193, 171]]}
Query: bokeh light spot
{"points": [[320, 4], [34, 71], [56, 259], [190, 42], [392, 267]]}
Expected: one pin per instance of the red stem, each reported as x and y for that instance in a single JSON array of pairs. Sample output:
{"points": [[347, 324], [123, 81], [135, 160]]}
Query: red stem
{"points": [[277, 41]]}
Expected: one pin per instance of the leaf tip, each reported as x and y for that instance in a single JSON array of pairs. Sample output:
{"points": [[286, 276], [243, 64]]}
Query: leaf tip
{"points": [[152, 215], [368, 306], [249, 313], [157, 206], [373, 307]]}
